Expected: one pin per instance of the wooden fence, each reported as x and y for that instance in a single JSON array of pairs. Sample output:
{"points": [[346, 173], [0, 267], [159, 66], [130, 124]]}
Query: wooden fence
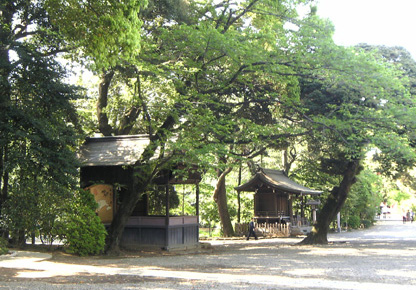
{"points": [[265, 229], [300, 222]]}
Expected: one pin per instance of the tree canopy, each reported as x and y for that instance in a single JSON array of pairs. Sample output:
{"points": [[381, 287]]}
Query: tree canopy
{"points": [[228, 80], [38, 123]]}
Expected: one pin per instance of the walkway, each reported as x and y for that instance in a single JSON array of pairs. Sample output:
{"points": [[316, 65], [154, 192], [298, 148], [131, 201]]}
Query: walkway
{"points": [[383, 257]]}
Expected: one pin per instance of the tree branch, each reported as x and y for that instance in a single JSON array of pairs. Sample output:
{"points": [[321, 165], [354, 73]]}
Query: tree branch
{"points": [[220, 179], [102, 100], [230, 22]]}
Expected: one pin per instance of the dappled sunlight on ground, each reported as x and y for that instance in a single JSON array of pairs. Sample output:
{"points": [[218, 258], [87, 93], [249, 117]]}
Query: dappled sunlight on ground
{"points": [[308, 272], [262, 248], [387, 252], [397, 273], [375, 259], [324, 252]]}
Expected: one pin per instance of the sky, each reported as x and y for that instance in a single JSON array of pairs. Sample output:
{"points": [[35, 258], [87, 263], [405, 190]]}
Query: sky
{"points": [[375, 22]]}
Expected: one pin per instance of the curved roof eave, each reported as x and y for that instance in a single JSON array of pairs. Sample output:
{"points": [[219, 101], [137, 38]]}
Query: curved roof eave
{"points": [[280, 182]]}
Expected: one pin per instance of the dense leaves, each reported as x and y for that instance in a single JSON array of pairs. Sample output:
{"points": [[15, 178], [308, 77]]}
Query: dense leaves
{"points": [[38, 123], [80, 227], [104, 32], [232, 80], [358, 106], [215, 83]]}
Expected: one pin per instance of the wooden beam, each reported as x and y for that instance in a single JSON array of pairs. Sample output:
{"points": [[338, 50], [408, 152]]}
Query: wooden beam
{"points": [[167, 216]]}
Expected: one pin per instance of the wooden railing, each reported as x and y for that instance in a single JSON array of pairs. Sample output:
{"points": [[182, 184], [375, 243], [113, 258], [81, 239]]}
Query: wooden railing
{"points": [[274, 229], [300, 222], [265, 229]]}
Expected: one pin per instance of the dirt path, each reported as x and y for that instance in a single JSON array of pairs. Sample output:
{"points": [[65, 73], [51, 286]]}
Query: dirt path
{"points": [[383, 257]]}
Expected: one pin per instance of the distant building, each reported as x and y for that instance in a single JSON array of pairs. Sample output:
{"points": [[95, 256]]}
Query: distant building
{"points": [[274, 193]]}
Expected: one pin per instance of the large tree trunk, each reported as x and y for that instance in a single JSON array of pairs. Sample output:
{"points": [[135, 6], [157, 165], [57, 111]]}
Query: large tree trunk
{"points": [[6, 37], [144, 171], [4, 186], [125, 210], [102, 101], [333, 205], [129, 118], [220, 197]]}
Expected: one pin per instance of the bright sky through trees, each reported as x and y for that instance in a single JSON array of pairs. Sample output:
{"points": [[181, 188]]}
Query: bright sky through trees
{"points": [[375, 22]]}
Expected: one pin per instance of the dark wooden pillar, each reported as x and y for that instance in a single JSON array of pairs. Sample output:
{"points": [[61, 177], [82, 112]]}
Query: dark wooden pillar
{"points": [[302, 206], [197, 202], [167, 217], [239, 207], [197, 209], [239, 197], [275, 200], [280, 208]]}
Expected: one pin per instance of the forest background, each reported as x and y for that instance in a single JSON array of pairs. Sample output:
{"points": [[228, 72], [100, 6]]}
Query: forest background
{"points": [[238, 84]]}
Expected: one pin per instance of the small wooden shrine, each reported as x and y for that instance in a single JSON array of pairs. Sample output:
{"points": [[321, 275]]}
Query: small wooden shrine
{"points": [[274, 193], [107, 170]]}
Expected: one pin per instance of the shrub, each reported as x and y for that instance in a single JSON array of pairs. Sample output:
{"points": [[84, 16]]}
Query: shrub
{"points": [[82, 229], [367, 223], [85, 234], [34, 209], [354, 222], [3, 247]]}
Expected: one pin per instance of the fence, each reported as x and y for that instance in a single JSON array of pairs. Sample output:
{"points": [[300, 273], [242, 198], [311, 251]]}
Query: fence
{"points": [[265, 229], [300, 222]]}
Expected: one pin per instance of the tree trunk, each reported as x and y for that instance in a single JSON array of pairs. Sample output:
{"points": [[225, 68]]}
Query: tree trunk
{"points": [[102, 101], [6, 37], [144, 171], [220, 197], [115, 232], [4, 186], [289, 157], [128, 120], [333, 205]]}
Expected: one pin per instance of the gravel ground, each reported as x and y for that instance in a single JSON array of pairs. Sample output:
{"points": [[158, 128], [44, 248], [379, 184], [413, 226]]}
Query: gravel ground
{"points": [[383, 257]]}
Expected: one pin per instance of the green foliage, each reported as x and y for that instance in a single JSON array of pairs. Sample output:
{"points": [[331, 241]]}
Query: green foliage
{"points": [[53, 216], [157, 199], [364, 199], [38, 124], [34, 207], [209, 216], [401, 58], [184, 202], [222, 74], [354, 222], [362, 103], [227, 79], [361, 106], [3, 247], [19, 213], [367, 223], [105, 32], [208, 209], [400, 196], [81, 228]]}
